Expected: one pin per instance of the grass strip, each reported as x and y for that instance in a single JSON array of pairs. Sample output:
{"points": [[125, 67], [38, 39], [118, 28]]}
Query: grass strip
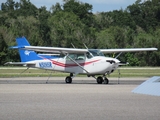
{"points": [[124, 72]]}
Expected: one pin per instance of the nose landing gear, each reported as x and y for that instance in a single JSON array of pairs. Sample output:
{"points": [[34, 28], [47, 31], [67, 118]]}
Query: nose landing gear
{"points": [[101, 80], [106, 81]]}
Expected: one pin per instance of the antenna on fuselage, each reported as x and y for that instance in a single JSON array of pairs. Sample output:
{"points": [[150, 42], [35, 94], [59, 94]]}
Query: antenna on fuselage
{"points": [[73, 45], [85, 46]]}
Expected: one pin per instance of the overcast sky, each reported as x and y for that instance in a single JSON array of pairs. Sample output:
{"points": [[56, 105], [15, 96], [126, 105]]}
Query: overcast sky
{"points": [[98, 5]]}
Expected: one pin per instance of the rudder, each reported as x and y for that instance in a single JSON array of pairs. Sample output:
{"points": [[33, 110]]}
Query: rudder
{"points": [[26, 55]]}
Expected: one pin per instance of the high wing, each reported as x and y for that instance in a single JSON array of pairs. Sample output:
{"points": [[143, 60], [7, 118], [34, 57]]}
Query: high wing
{"points": [[127, 50], [75, 50], [23, 44]]}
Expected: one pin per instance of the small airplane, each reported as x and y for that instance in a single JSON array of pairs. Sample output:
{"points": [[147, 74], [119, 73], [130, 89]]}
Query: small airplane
{"points": [[90, 62]]}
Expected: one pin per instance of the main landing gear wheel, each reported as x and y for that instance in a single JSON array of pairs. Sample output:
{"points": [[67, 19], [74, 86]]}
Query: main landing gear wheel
{"points": [[68, 79], [99, 80]]}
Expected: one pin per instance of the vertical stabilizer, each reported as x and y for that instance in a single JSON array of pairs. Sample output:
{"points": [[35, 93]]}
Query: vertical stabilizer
{"points": [[26, 55]]}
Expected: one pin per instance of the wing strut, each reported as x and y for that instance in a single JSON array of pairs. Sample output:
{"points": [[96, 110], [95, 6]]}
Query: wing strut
{"points": [[118, 55]]}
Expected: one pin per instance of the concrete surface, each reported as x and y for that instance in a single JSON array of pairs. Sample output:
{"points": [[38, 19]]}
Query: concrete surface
{"points": [[32, 99]]}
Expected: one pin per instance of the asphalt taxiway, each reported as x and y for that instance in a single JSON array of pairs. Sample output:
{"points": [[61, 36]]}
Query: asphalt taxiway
{"points": [[31, 98]]}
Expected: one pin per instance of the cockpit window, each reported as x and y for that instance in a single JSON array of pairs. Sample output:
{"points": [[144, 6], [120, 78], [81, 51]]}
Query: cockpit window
{"points": [[96, 52]]}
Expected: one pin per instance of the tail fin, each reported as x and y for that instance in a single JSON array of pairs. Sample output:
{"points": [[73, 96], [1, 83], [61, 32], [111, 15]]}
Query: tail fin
{"points": [[26, 55]]}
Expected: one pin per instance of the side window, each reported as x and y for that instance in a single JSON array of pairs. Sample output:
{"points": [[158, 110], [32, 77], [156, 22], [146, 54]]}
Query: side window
{"points": [[80, 57], [73, 56], [76, 57]]}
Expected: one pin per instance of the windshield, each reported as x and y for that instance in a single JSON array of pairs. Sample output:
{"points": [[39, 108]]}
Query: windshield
{"points": [[96, 52]]}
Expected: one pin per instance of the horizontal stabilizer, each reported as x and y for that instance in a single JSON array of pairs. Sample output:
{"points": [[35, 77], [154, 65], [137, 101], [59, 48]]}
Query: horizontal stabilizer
{"points": [[20, 63], [16, 47]]}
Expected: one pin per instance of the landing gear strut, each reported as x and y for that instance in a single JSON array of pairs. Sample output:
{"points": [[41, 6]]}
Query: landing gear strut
{"points": [[100, 80]]}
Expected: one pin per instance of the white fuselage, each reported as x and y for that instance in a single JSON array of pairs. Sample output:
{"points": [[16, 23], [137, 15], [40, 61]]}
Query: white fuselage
{"points": [[93, 66]]}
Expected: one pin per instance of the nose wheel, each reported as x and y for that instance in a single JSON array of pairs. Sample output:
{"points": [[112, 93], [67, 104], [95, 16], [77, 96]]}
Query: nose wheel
{"points": [[101, 80], [106, 81]]}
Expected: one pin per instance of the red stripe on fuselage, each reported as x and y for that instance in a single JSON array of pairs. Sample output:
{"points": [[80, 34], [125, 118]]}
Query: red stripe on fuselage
{"points": [[72, 65]]}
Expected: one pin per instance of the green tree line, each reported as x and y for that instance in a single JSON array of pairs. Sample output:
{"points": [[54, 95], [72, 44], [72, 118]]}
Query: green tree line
{"points": [[74, 22]]}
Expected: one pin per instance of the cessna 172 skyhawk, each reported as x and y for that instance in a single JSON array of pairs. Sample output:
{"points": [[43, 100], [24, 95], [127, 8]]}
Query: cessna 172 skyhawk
{"points": [[75, 61]]}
